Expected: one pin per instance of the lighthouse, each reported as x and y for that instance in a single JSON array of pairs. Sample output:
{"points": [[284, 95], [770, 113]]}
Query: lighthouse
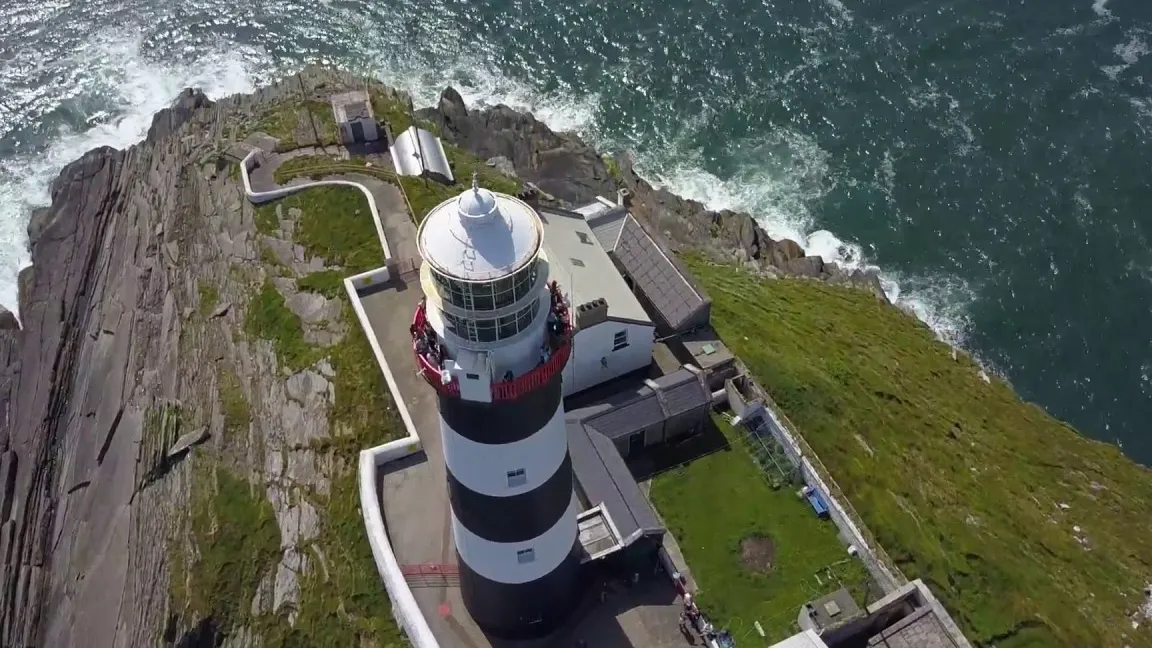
{"points": [[492, 337]]}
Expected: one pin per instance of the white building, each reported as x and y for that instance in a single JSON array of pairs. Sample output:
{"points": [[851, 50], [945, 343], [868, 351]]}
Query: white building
{"points": [[614, 335]]}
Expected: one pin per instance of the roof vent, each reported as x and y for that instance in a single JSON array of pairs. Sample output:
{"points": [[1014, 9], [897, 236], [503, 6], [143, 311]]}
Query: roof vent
{"points": [[591, 313]]}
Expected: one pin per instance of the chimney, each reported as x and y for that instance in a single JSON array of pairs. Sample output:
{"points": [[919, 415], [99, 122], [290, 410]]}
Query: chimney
{"points": [[591, 313], [624, 198]]}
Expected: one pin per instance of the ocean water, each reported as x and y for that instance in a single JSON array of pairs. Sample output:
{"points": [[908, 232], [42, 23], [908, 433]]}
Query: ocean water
{"points": [[991, 158]]}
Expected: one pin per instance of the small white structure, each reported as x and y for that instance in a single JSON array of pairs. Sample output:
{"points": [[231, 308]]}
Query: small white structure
{"points": [[417, 152], [614, 334], [353, 112]]}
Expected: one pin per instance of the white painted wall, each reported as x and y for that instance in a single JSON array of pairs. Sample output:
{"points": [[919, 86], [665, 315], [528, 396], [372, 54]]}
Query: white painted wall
{"points": [[498, 560], [484, 468], [584, 368]]}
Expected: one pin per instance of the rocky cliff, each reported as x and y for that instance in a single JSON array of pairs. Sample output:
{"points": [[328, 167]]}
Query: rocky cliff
{"points": [[183, 403]]}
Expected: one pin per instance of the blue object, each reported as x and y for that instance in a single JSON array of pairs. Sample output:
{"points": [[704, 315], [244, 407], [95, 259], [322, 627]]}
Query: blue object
{"points": [[817, 503]]}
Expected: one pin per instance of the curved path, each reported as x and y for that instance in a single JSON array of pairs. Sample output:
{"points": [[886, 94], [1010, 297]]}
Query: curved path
{"points": [[404, 606]]}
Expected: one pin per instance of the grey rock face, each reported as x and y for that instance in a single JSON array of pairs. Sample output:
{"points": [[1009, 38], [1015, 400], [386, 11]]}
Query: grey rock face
{"points": [[8, 321]]}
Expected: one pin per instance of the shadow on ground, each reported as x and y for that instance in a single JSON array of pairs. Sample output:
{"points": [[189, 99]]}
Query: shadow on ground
{"points": [[657, 459]]}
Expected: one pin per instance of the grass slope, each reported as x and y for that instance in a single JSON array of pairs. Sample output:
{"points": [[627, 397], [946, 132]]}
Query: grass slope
{"points": [[963, 483], [809, 559]]}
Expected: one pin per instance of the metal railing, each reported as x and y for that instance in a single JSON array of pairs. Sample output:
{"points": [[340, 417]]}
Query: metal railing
{"points": [[517, 387]]}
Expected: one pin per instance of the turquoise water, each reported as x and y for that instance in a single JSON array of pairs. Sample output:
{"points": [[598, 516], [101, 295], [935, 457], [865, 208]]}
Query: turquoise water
{"points": [[989, 157]]}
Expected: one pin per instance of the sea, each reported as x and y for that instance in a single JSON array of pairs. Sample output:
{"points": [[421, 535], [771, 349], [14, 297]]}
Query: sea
{"points": [[990, 157]]}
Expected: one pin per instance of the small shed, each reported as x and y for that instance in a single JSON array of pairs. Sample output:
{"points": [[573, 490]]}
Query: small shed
{"points": [[829, 611], [417, 152], [353, 112]]}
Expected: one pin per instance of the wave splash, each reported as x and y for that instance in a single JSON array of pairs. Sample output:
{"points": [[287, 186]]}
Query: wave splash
{"points": [[111, 98], [117, 89]]}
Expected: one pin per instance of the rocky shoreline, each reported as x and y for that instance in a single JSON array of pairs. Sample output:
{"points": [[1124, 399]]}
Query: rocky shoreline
{"points": [[570, 171], [136, 342]]}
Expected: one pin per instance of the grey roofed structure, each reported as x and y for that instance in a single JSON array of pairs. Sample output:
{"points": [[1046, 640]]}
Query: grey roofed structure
{"points": [[678, 303], [357, 110], [605, 480], [417, 152], [605, 222], [663, 408], [583, 267], [829, 611]]}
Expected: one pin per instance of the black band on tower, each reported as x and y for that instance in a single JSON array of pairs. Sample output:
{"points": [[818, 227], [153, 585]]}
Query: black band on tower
{"points": [[517, 518], [502, 422], [523, 610]]}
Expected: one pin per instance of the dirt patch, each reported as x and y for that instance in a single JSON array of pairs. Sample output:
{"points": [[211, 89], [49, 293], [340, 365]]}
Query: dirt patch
{"points": [[757, 553]]}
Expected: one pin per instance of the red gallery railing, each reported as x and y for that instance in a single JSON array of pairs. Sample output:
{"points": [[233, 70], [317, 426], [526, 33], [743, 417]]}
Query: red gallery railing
{"points": [[505, 390], [424, 361]]}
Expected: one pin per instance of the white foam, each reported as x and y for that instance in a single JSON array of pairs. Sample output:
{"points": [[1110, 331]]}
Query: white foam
{"points": [[109, 71], [1100, 8], [132, 88]]}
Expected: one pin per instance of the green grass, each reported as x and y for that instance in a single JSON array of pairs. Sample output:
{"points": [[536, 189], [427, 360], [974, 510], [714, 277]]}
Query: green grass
{"points": [[959, 479], [329, 283], [293, 121], [336, 225], [237, 542], [715, 502], [346, 604], [237, 415], [269, 318], [422, 194], [613, 168], [209, 296]]}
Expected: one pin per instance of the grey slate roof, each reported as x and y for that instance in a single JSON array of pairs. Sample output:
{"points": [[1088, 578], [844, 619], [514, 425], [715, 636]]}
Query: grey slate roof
{"points": [[606, 225], [592, 431], [680, 391], [656, 276], [605, 479]]}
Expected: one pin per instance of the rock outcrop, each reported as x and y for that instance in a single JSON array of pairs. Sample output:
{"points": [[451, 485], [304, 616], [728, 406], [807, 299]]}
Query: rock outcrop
{"points": [[567, 169]]}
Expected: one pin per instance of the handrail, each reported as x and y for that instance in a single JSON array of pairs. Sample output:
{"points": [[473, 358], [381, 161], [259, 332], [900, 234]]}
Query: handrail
{"points": [[430, 372], [513, 389]]}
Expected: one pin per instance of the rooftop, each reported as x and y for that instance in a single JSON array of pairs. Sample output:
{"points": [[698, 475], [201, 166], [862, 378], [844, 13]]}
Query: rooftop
{"points": [[605, 480], [650, 406], [580, 263], [642, 257], [416, 152], [833, 609], [480, 235]]}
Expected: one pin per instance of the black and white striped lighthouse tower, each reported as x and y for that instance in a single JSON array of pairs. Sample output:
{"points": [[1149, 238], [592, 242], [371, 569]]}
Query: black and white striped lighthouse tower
{"points": [[493, 336]]}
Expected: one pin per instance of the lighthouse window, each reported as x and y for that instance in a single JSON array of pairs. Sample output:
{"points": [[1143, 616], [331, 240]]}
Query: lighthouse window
{"points": [[491, 330], [620, 340], [525, 556], [517, 478]]}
